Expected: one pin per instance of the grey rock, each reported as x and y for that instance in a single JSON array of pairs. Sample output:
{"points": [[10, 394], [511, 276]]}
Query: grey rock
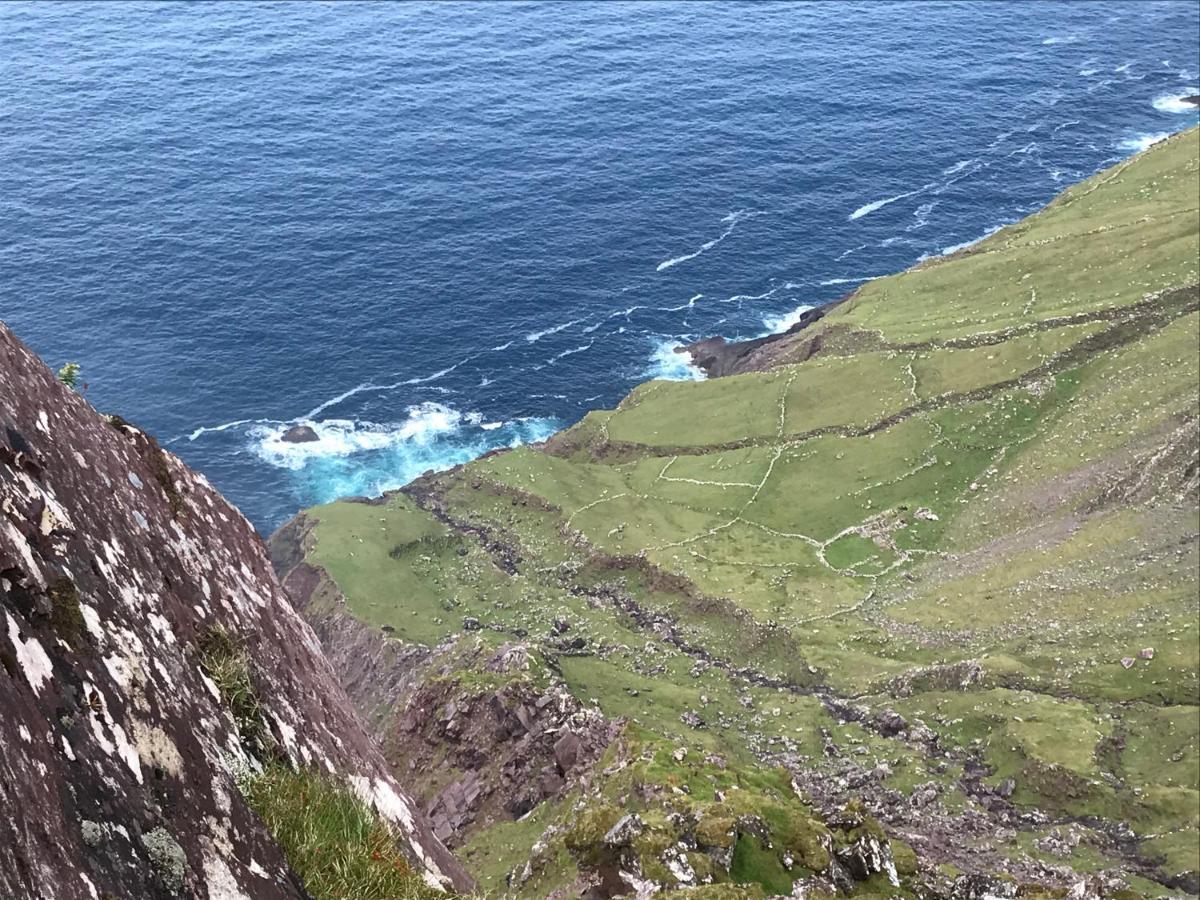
{"points": [[627, 828]]}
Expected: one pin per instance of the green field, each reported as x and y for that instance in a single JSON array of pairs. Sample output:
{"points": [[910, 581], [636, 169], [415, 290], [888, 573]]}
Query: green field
{"points": [[994, 466]]}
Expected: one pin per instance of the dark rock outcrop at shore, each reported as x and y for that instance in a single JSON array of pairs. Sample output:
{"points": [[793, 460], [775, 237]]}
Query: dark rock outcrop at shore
{"points": [[1194, 99], [119, 760], [716, 356]]}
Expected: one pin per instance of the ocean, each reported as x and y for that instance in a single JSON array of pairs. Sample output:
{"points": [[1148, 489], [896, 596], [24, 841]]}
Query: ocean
{"points": [[432, 230]]}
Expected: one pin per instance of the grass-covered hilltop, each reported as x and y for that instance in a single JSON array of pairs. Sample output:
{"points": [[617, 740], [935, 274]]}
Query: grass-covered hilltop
{"points": [[909, 606]]}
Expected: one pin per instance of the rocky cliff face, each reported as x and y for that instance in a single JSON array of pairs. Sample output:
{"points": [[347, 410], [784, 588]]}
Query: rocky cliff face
{"points": [[118, 759], [491, 732]]}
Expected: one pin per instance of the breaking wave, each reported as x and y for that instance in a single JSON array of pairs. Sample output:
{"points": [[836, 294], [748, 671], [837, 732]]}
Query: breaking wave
{"points": [[357, 458], [1173, 103], [780, 324], [667, 364], [1140, 142]]}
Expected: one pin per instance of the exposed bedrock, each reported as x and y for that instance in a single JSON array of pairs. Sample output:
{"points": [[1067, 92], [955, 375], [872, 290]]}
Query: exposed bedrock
{"points": [[118, 759]]}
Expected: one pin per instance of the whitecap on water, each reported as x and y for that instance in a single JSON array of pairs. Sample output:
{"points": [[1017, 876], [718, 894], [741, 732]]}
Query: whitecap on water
{"points": [[958, 166], [534, 336], [682, 306], [921, 215], [571, 352], [733, 218], [867, 208]]}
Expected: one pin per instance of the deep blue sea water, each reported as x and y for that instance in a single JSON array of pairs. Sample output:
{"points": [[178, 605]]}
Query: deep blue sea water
{"points": [[431, 230]]}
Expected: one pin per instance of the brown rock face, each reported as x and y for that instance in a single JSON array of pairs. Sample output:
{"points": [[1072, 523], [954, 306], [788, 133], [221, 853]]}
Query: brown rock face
{"points": [[494, 755], [117, 757]]}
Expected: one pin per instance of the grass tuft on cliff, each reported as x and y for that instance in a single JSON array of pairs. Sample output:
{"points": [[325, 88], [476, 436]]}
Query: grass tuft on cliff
{"points": [[224, 659], [336, 844]]}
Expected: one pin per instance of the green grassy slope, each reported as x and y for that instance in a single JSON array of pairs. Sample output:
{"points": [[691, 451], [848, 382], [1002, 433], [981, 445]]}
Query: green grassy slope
{"points": [[989, 469]]}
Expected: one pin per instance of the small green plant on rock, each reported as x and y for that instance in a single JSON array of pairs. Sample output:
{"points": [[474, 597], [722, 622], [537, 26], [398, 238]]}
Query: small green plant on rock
{"points": [[69, 375]]}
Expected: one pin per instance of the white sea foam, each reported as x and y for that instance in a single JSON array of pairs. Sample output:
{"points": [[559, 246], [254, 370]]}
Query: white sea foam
{"points": [[534, 336], [1022, 151], [356, 458], [854, 280], [780, 324], [1122, 68], [1173, 103], [682, 306], [921, 215], [999, 139], [1140, 142], [1060, 127], [627, 312], [503, 346], [958, 166], [1062, 39], [212, 429], [571, 352], [846, 253], [345, 395], [441, 373], [954, 248], [370, 387], [665, 363], [898, 239], [740, 298], [344, 437], [733, 218], [868, 208]]}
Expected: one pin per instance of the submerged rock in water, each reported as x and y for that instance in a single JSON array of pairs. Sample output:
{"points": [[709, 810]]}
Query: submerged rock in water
{"points": [[300, 434]]}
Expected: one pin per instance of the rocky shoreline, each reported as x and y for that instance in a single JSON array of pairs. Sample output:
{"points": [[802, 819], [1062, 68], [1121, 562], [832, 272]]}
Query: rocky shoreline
{"points": [[716, 356]]}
